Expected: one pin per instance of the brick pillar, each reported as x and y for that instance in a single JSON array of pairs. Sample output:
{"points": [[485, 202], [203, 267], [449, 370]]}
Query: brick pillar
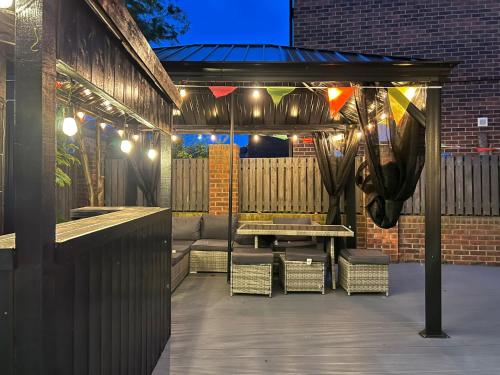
{"points": [[218, 179], [303, 147], [386, 240]]}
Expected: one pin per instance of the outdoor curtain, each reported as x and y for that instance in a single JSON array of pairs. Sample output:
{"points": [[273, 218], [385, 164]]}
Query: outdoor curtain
{"points": [[335, 154], [146, 171], [395, 155]]}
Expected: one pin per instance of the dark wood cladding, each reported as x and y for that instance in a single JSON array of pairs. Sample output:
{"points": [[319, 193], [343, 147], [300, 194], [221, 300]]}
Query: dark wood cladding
{"points": [[6, 310], [88, 47]]}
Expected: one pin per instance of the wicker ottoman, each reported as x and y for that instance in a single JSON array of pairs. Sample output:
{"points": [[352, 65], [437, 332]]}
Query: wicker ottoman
{"points": [[364, 271], [252, 271], [303, 270], [208, 255]]}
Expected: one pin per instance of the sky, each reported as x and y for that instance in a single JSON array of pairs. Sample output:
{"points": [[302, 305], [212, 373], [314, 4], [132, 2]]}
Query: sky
{"points": [[235, 21]]}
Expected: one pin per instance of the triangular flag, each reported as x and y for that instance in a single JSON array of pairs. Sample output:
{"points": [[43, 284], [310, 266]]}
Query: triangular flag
{"points": [[338, 96], [399, 103], [220, 91], [280, 136], [277, 93]]}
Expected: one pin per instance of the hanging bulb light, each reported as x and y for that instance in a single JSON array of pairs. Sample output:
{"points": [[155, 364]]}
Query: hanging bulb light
{"points": [[80, 115], [200, 137], [135, 137], [126, 146], [295, 138], [256, 138], [174, 138], [256, 94], [152, 154], [121, 133], [4, 4], [359, 134], [338, 137], [383, 116], [183, 93], [176, 112], [213, 138], [103, 125], [370, 126], [69, 126]]}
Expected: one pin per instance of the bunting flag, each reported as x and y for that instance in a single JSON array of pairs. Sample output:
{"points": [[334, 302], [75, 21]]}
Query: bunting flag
{"points": [[399, 103], [220, 91], [280, 136], [277, 93], [338, 96]]}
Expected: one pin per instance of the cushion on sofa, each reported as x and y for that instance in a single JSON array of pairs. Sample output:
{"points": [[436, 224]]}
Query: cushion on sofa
{"points": [[362, 256], [186, 227], [181, 244], [215, 227], [302, 254], [209, 244], [295, 221], [247, 256]]}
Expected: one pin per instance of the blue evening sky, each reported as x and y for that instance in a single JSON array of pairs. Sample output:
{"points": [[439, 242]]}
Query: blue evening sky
{"points": [[235, 21]]}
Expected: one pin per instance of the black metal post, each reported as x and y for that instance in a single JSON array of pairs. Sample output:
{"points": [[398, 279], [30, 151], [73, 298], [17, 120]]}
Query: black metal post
{"points": [[433, 328], [34, 180], [350, 207], [230, 215]]}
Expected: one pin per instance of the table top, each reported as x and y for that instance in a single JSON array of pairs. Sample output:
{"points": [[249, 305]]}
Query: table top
{"points": [[316, 230]]}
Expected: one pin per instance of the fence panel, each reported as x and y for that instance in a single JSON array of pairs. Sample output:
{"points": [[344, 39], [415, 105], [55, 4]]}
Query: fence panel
{"points": [[190, 185]]}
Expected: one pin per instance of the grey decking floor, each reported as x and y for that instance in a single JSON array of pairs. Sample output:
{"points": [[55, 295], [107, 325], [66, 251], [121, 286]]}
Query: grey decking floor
{"points": [[213, 333]]}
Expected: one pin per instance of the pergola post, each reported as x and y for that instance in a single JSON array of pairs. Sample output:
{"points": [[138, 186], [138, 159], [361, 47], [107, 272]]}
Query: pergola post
{"points": [[230, 213], [350, 207], [34, 180], [433, 313]]}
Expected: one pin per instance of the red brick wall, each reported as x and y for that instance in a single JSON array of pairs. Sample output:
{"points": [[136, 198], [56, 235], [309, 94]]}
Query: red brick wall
{"points": [[301, 148], [468, 31], [218, 179]]}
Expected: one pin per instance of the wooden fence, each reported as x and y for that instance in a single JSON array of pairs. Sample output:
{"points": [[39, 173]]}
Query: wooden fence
{"points": [[190, 185]]}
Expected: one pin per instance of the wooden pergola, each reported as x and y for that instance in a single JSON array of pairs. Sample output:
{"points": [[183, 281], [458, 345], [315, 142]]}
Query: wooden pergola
{"points": [[245, 66]]}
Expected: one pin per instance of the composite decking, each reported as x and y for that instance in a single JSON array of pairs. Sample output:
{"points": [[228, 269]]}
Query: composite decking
{"points": [[213, 333]]}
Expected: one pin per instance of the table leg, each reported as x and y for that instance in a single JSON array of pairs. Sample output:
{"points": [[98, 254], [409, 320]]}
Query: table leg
{"points": [[332, 261], [256, 242]]}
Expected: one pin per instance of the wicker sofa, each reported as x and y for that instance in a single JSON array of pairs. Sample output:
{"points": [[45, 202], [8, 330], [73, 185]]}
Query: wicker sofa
{"points": [[185, 232]]}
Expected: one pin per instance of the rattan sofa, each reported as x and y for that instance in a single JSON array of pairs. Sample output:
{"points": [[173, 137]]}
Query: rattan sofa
{"points": [[303, 270], [185, 231], [251, 271], [364, 271]]}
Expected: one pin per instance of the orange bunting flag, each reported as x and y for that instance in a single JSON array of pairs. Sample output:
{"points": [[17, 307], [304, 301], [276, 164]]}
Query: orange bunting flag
{"points": [[399, 103], [220, 91], [338, 96]]}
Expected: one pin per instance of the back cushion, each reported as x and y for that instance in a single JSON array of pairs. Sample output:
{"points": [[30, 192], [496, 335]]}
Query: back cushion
{"points": [[215, 227], [186, 228], [292, 220]]}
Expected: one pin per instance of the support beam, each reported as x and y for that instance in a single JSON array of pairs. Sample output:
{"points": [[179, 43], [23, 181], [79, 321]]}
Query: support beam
{"points": [[433, 323], [230, 213], [34, 181]]}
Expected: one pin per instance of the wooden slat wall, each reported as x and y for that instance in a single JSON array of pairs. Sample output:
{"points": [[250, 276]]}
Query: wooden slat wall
{"points": [[67, 197], [469, 186], [115, 181], [190, 185]]}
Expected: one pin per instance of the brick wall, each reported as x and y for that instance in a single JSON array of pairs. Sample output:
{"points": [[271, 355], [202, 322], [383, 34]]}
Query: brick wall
{"points": [[301, 148], [468, 31], [218, 178]]}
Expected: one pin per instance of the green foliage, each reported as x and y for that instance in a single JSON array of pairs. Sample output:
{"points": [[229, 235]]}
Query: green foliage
{"points": [[64, 158], [159, 20], [195, 151]]}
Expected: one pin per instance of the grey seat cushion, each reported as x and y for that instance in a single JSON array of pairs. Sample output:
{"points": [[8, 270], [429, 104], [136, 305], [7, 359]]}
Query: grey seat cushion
{"points": [[181, 244], [292, 220], [286, 244], [247, 256], [302, 254], [215, 227], [178, 255], [209, 244], [186, 227], [362, 256]]}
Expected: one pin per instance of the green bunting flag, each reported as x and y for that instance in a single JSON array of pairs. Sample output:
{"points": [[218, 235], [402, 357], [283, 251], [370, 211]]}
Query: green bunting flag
{"points": [[280, 136], [277, 93]]}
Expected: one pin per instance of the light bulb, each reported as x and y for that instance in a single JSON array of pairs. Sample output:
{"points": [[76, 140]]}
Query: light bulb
{"points": [[256, 138], [295, 138], [126, 146], [294, 112], [333, 93], [183, 93], [200, 137], [120, 132], [256, 112], [87, 92], [359, 134], [4, 4], [69, 126], [213, 137], [152, 153], [338, 137], [174, 138], [80, 115], [176, 112], [103, 125], [256, 94], [370, 126], [383, 116], [135, 137]]}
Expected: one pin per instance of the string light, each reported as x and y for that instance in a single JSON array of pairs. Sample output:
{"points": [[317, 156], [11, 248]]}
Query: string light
{"points": [[176, 112], [103, 125], [359, 134], [152, 153], [121, 132], [295, 138], [333, 93], [370, 126], [174, 138], [126, 146], [383, 116], [294, 112], [135, 137], [256, 138], [69, 126], [338, 137], [4, 4], [200, 137], [256, 94], [213, 138], [183, 93], [256, 112], [80, 115], [87, 92]]}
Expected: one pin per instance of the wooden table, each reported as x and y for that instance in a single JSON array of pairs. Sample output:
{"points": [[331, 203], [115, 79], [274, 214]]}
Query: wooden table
{"points": [[312, 230]]}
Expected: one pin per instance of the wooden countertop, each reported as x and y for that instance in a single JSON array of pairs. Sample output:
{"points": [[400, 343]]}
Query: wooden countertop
{"points": [[82, 227]]}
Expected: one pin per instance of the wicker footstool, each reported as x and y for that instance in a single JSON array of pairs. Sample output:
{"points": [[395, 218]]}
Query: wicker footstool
{"points": [[252, 271], [208, 255], [303, 270], [364, 271]]}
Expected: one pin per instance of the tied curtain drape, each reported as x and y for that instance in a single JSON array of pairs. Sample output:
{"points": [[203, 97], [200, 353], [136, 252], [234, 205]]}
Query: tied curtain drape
{"points": [[335, 154], [395, 155], [146, 171]]}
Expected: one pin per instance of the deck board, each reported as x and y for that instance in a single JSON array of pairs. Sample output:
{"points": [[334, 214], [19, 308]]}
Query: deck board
{"points": [[213, 333]]}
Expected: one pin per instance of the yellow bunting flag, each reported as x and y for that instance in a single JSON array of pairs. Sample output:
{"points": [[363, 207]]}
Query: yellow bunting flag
{"points": [[399, 103], [277, 93]]}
